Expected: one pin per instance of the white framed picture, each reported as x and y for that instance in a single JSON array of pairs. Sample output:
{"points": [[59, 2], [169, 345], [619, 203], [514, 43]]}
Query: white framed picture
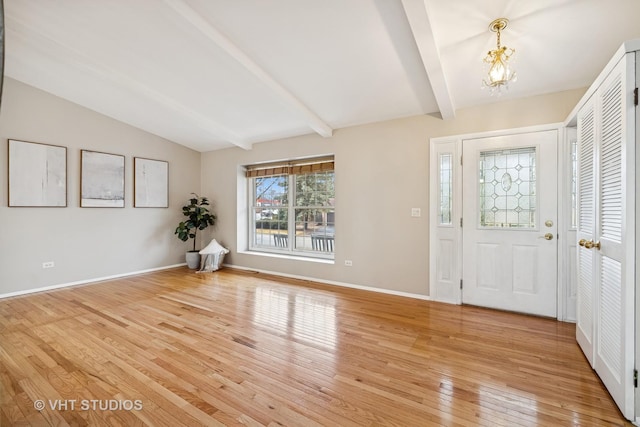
{"points": [[150, 183], [37, 174], [101, 180]]}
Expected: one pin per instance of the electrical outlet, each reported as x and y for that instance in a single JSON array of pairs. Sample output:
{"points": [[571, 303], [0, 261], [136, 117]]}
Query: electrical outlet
{"points": [[348, 263], [49, 264], [416, 212]]}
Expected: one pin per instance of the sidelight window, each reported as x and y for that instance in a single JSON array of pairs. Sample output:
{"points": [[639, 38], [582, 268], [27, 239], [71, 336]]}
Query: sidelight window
{"points": [[445, 166]]}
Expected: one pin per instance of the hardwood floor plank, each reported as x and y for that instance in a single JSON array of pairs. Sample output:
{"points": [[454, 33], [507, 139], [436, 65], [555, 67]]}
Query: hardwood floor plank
{"points": [[239, 348]]}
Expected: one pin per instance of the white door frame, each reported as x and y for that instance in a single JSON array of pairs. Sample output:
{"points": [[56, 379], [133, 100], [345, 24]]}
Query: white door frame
{"points": [[567, 300], [445, 241]]}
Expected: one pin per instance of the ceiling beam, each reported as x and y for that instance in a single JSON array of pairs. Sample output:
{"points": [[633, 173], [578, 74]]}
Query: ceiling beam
{"points": [[45, 44], [418, 16], [224, 43]]}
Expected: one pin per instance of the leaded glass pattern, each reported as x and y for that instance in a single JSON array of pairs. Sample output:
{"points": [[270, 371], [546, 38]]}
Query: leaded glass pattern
{"points": [[507, 188], [446, 174]]}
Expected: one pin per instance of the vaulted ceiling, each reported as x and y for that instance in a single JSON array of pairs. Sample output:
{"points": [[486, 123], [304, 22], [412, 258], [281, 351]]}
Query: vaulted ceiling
{"points": [[211, 74]]}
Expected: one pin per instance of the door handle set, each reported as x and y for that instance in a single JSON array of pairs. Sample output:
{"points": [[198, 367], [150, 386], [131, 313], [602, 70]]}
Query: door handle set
{"points": [[547, 236], [589, 244]]}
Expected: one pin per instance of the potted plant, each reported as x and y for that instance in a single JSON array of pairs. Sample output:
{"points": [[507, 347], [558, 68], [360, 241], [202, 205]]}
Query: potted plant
{"points": [[199, 218]]}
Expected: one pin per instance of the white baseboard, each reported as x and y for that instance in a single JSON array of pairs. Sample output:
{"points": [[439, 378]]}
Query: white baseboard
{"points": [[332, 282], [88, 281], [274, 273]]}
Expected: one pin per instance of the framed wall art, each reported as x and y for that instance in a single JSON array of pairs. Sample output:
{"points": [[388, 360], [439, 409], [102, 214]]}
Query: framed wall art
{"points": [[37, 174], [150, 183], [101, 180]]}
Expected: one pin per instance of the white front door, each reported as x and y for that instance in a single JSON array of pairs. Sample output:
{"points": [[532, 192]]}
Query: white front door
{"points": [[509, 234]]}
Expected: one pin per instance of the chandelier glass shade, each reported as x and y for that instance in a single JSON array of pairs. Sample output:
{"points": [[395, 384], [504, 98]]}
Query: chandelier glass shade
{"points": [[500, 72]]}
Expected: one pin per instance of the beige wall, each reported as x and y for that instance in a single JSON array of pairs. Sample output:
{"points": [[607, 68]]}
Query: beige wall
{"points": [[85, 243], [381, 173]]}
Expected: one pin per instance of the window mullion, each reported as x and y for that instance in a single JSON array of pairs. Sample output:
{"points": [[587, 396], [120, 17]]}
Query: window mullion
{"points": [[251, 236], [291, 227]]}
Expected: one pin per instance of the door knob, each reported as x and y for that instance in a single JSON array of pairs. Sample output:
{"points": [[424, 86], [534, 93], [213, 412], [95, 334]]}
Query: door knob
{"points": [[582, 242], [591, 244], [547, 236]]}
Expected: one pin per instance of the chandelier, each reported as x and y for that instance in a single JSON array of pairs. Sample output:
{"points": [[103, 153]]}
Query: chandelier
{"points": [[500, 72]]}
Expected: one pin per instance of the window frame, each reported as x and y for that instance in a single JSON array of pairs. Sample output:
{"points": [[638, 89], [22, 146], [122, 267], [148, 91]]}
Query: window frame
{"points": [[291, 207]]}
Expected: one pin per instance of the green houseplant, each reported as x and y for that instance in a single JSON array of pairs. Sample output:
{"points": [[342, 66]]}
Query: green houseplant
{"points": [[199, 217]]}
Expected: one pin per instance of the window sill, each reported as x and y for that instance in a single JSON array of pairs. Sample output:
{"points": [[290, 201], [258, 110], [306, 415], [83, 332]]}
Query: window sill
{"points": [[290, 257]]}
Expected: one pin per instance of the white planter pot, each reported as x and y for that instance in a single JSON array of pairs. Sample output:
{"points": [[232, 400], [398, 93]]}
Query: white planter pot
{"points": [[193, 260]]}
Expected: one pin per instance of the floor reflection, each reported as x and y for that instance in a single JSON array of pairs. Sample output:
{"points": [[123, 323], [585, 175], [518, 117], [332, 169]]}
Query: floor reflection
{"points": [[305, 318]]}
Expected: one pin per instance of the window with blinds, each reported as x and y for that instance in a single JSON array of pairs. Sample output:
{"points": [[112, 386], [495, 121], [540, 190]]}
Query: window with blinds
{"points": [[291, 207]]}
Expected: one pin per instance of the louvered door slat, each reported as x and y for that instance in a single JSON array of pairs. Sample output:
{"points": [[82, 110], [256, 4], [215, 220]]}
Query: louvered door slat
{"points": [[610, 322], [586, 139], [611, 162]]}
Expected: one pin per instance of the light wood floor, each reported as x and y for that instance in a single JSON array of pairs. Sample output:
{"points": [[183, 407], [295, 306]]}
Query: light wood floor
{"points": [[230, 348]]}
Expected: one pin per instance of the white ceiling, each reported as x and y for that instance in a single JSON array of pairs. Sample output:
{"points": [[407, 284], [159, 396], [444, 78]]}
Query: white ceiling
{"points": [[211, 74]]}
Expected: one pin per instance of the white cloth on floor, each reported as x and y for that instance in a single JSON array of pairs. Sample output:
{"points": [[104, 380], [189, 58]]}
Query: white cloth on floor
{"points": [[212, 256]]}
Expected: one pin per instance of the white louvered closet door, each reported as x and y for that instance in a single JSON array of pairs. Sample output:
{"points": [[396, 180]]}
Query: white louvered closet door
{"points": [[606, 257], [615, 232], [586, 229]]}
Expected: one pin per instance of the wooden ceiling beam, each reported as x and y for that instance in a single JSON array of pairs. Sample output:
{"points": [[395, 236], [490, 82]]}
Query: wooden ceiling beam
{"points": [[418, 17]]}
